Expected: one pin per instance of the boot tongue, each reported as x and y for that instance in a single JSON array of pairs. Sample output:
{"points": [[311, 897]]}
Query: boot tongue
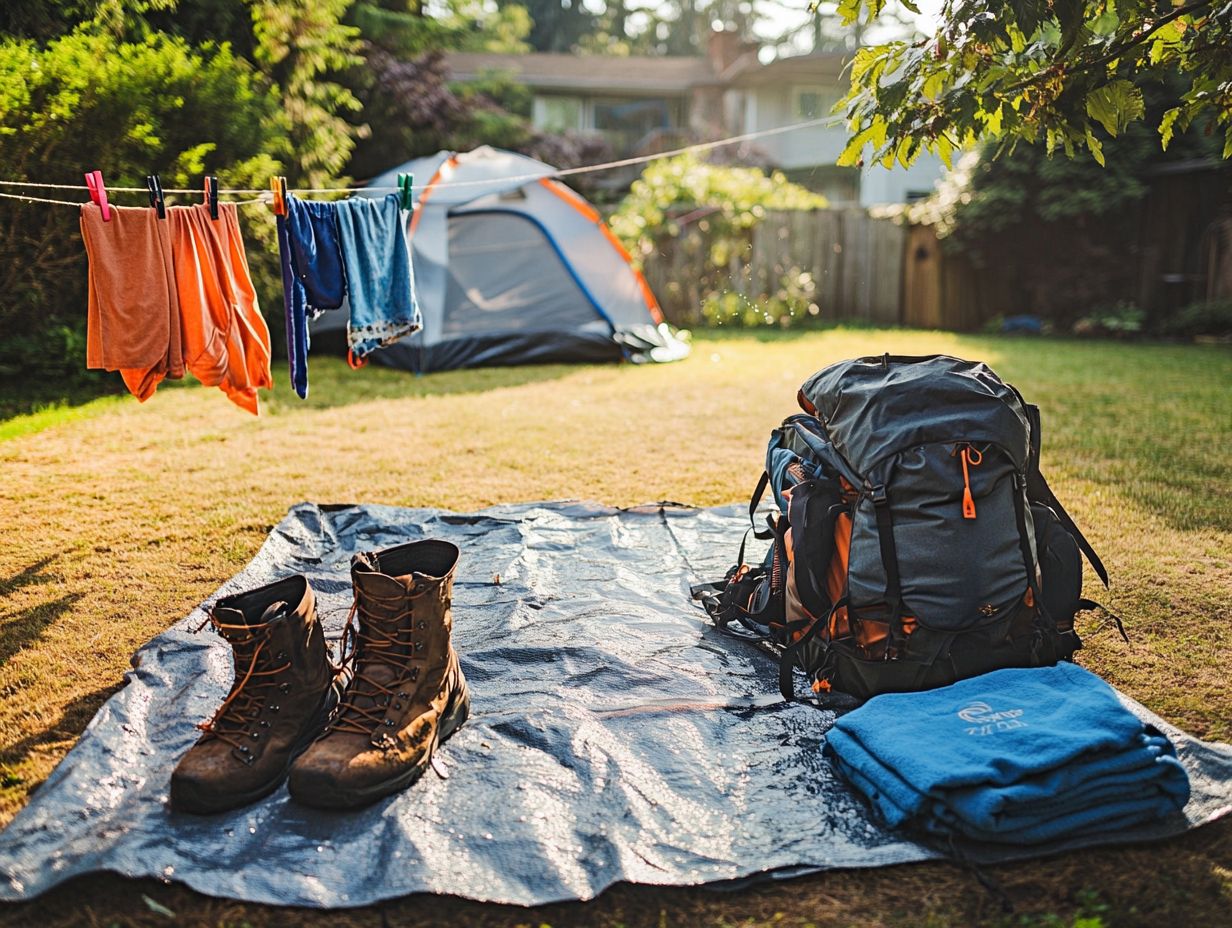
{"points": [[376, 586], [243, 641], [385, 612]]}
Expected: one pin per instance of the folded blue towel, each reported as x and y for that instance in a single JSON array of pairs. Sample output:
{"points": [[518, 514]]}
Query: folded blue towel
{"points": [[1023, 755], [380, 280]]}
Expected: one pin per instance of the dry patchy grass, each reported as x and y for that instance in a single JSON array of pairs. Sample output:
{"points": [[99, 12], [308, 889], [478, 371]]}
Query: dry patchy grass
{"points": [[117, 521]]}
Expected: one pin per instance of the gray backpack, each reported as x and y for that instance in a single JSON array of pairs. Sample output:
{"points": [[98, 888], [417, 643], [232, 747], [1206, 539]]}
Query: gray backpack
{"points": [[914, 540]]}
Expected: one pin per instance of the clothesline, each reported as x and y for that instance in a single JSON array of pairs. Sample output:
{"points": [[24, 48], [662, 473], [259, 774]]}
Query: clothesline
{"points": [[566, 172], [29, 199]]}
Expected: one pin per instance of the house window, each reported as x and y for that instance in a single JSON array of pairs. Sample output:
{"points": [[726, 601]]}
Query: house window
{"points": [[557, 113], [626, 122], [813, 101]]}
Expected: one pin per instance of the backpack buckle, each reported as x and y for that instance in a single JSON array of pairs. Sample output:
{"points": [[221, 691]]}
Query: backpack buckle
{"points": [[879, 495]]}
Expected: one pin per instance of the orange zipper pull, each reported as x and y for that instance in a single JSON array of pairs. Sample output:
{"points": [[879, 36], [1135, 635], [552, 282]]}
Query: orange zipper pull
{"points": [[972, 457]]}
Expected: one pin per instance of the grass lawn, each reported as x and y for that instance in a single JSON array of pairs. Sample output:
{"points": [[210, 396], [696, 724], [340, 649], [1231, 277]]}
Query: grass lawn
{"points": [[117, 518]]}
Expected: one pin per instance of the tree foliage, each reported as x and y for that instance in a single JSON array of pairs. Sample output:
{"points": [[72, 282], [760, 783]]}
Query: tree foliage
{"points": [[1064, 233], [84, 101], [299, 44], [1068, 74]]}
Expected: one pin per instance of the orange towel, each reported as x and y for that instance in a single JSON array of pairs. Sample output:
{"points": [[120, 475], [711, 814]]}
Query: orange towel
{"points": [[226, 342], [133, 316]]}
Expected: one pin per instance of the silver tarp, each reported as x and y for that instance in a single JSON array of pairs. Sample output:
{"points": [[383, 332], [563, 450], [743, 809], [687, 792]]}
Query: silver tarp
{"points": [[614, 736]]}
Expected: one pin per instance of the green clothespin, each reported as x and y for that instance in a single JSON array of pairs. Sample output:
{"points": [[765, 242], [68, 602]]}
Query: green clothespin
{"points": [[405, 184]]}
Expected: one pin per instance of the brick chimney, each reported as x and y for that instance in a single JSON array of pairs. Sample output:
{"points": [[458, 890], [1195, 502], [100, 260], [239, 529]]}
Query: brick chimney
{"points": [[724, 47]]}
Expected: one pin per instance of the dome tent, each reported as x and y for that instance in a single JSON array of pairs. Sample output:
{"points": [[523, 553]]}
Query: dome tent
{"points": [[513, 267]]}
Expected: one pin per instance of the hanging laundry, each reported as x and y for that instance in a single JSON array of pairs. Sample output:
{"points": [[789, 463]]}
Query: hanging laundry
{"points": [[380, 279], [312, 228], [133, 315], [294, 304], [312, 276], [226, 342]]}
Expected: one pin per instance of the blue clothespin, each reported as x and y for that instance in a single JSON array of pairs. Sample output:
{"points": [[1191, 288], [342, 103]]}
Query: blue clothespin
{"points": [[406, 183]]}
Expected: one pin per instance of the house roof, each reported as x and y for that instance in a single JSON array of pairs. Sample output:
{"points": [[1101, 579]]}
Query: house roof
{"points": [[545, 71], [748, 71]]}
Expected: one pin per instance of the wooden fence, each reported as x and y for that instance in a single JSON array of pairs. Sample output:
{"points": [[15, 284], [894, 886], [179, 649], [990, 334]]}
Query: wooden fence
{"points": [[849, 263], [857, 268]]}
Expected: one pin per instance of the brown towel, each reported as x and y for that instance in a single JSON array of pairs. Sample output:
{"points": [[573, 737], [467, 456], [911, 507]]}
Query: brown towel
{"points": [[133, 322]]}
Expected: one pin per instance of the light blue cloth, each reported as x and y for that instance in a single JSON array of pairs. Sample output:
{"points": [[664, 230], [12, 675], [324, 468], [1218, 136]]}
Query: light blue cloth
{"points": [[379, 278], [1017, 755]]}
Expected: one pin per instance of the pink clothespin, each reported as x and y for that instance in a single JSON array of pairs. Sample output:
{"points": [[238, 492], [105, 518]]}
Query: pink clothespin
{"points": [[98, 193]]}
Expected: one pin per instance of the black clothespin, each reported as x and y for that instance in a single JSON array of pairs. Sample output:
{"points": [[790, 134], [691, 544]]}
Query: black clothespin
{"points": [[155, 187], [211, 194]]}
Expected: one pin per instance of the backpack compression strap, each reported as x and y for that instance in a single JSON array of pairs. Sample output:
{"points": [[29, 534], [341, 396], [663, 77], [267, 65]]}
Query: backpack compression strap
{"points": [[787, 663], [1038, 489]]}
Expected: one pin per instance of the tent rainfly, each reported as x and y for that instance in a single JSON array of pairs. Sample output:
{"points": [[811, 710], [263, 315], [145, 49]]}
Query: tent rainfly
{"points": [[513, 267]]}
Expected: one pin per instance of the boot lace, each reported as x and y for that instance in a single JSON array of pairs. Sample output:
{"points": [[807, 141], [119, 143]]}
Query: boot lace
{"points": [[374, 643], [247, 697]]}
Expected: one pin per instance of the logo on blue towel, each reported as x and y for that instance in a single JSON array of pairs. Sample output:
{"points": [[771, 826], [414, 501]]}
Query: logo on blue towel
{"points": [[984, 721]]}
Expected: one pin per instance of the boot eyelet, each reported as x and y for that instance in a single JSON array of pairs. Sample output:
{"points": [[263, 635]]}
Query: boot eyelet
{"points": [[419, 646], [389, 722], [274, 708], [414, 674], [264, 724], [255, 735], [397, 705], [422, 625], [284, 688], [280, 656]]}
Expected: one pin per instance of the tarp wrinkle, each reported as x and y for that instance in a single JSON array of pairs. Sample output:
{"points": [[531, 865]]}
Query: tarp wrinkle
{"points": [[615, 735]]}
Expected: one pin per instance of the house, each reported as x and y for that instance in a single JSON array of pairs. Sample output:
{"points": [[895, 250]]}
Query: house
{"points": [[648, 104]]}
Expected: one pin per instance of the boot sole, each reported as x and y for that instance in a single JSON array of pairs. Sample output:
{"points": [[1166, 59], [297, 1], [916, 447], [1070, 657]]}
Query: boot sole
{"points": [[457, 711], [186, 799]]}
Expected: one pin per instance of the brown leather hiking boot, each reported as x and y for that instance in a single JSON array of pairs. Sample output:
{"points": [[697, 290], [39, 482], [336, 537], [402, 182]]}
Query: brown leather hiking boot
{"points": [[407, 695], [283, 696]]}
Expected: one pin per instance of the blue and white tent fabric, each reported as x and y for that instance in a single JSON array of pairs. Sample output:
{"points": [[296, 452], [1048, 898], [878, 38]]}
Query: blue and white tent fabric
{"points": [[513, 267]]}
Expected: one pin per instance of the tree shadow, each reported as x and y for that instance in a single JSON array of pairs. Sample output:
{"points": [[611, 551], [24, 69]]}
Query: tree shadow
{"points": [[33, 394], [20, 627], [72, 722], [333, 384]]}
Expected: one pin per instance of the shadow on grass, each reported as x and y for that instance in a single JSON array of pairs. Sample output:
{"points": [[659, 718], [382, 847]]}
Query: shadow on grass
{"points": [[332, 384], [69, 726], [1188, 887], [31, 405], [24, 411], [20, 627]]}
